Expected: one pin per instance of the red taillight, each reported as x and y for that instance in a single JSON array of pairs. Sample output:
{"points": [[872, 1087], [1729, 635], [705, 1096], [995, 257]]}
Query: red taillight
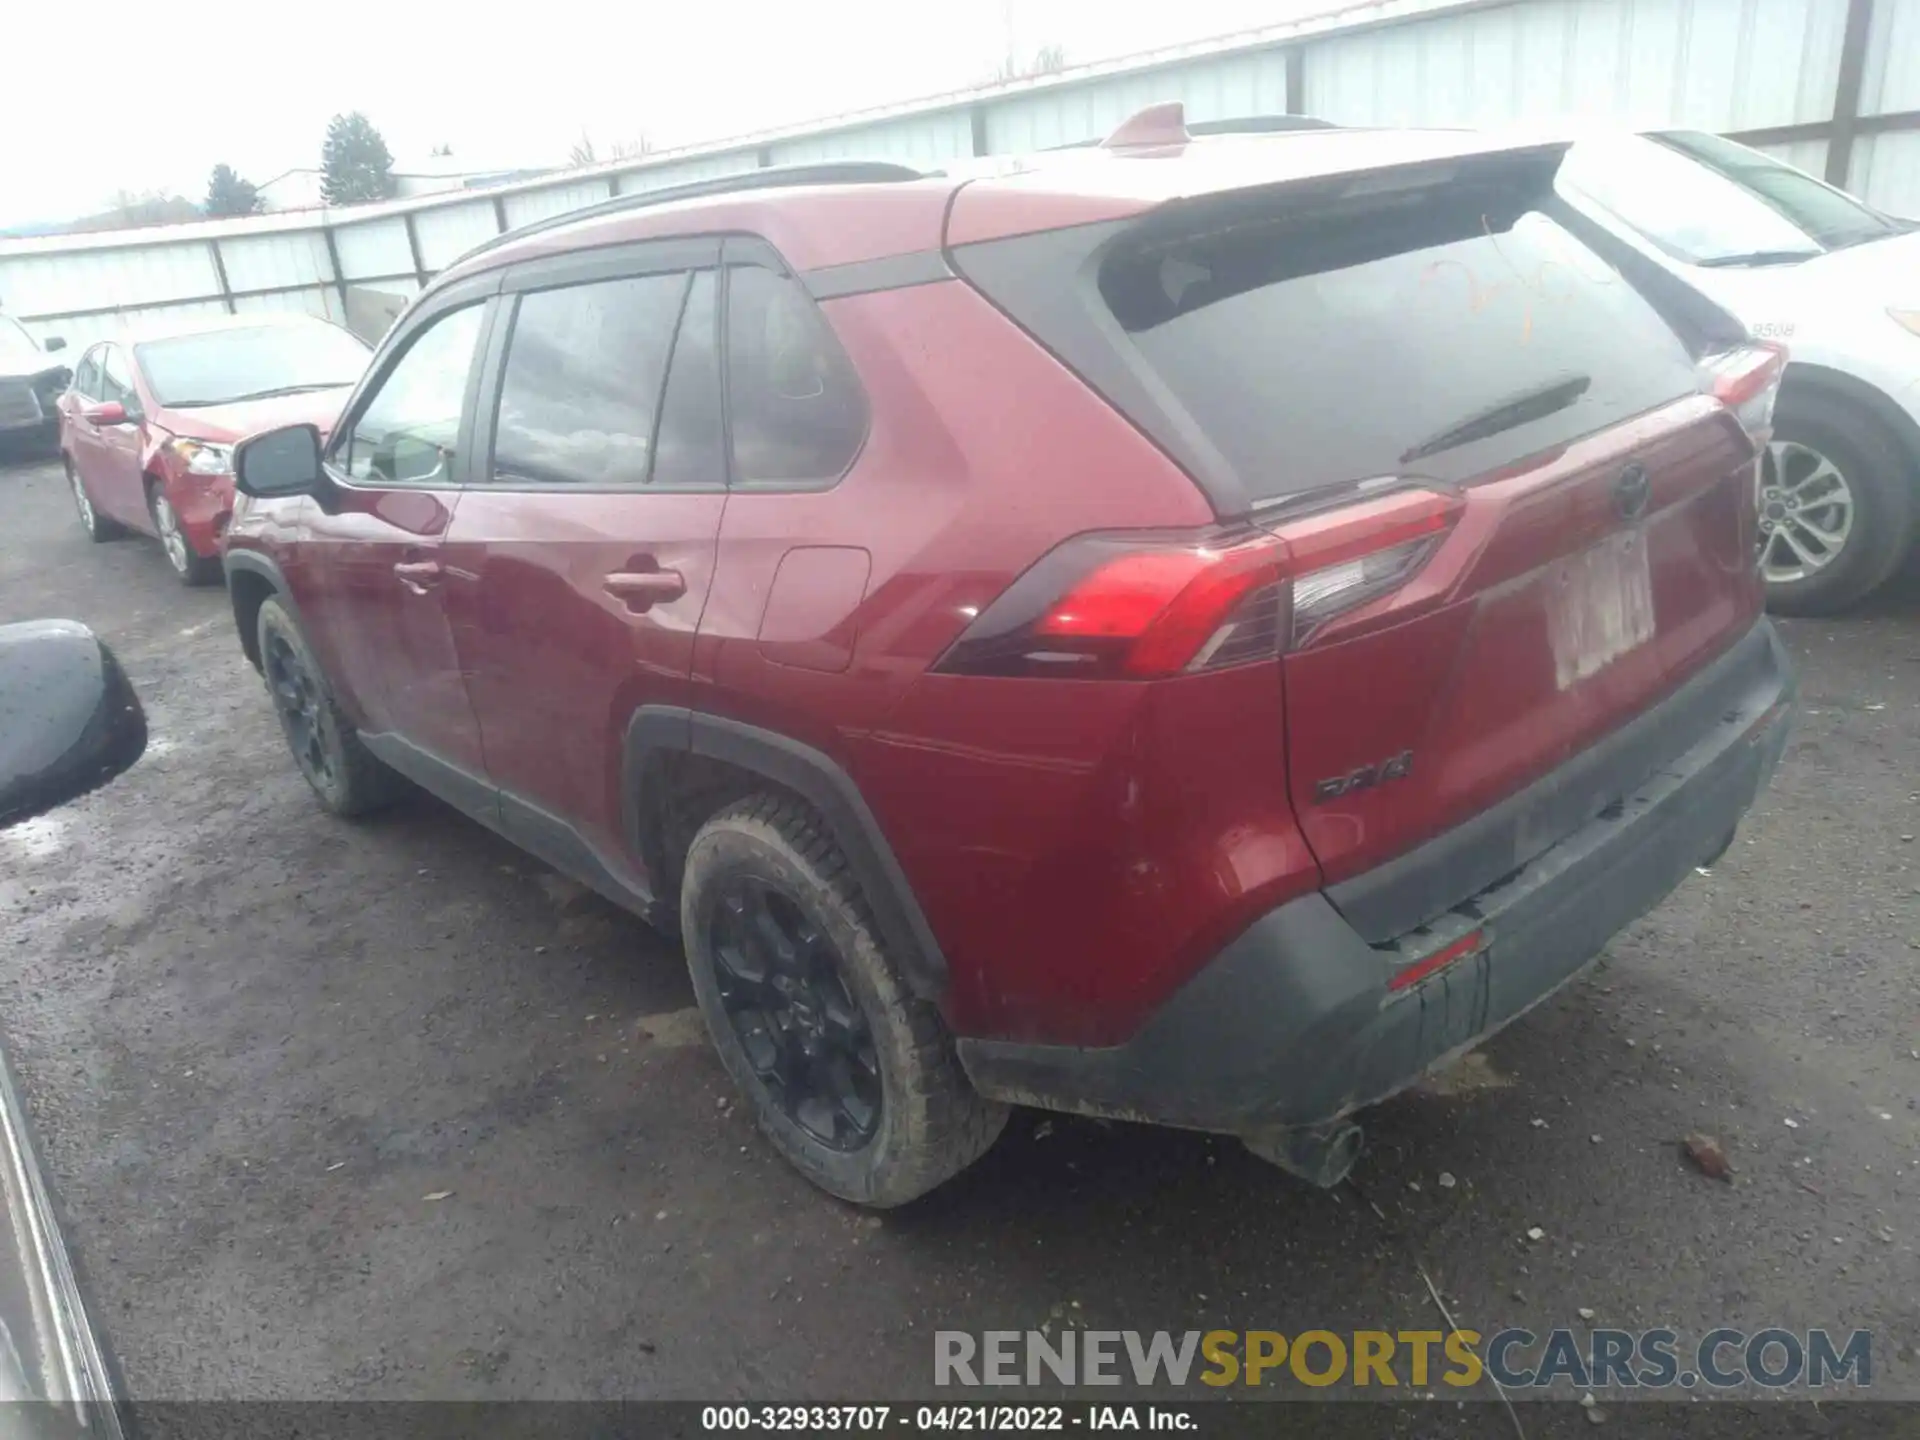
{"points": [[1747, 382], [1439, 960], [1115, 608], [1166, 605]]}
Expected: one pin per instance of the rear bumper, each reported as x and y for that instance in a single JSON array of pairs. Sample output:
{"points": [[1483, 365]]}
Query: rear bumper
{"points": [[1292, 1023]]}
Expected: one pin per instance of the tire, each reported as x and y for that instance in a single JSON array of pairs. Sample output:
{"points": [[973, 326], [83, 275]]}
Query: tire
{"points": [[326, 747], [189, 566], [1873, 474], [925, 1121], [98, 527]]}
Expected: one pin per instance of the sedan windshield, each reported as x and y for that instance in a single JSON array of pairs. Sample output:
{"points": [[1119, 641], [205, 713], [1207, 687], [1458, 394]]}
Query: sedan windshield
{"points": [[16, 346], [222, 366], [1708, 201]]}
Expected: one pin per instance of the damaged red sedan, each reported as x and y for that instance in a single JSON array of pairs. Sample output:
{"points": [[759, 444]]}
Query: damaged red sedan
{"points": [[148, 425]]}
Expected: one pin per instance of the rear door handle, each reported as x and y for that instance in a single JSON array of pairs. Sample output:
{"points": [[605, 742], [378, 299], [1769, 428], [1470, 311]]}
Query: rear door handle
{"points": [[419, 576], [643, 589]]}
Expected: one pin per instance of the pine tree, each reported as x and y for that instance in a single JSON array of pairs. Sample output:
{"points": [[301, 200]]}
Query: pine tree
{"points": [[355, 163], [228, 194]]}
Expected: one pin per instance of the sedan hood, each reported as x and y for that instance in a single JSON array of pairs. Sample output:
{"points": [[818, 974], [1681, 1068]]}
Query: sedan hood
{"points": [[1876, 275], [1886, 272], [224, 424]]}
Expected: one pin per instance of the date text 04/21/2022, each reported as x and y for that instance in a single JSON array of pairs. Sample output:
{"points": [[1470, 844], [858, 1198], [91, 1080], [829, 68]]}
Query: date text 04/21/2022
{"points": [[998, 1419]]}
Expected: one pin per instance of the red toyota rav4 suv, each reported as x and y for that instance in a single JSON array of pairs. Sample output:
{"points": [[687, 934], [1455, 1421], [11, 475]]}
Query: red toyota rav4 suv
{"points": [[1194, 631]]}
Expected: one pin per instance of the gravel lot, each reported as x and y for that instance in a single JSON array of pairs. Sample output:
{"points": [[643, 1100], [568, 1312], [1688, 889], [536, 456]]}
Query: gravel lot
{"points": [[257, 1042]]}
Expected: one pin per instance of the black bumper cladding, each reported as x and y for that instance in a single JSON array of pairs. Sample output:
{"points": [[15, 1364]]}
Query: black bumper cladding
{"points": [[1292, 1024]]}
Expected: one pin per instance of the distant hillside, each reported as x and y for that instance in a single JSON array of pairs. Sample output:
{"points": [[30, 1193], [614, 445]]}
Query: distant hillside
{"points": [[24, 228], [130, 212]]}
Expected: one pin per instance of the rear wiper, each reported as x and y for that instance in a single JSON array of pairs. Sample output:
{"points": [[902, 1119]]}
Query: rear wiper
{"points": [[1533, 405], [1757, 257]]}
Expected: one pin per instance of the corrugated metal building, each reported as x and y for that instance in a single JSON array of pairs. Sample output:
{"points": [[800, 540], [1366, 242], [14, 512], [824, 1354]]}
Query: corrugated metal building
{"points": [[1830, 85]]}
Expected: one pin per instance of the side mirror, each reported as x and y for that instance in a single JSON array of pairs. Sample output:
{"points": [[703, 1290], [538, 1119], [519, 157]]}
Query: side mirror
{"points": [[278, 462], [53, 343], [69, 720], [105, 412]]}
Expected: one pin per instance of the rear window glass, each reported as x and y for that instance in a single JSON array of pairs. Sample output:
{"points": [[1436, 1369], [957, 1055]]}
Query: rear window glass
{"points": [[1437, 332]]}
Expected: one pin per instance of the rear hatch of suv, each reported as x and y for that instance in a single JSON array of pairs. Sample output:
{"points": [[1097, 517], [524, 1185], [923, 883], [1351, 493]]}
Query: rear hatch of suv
{"points": [[1508, 506]]}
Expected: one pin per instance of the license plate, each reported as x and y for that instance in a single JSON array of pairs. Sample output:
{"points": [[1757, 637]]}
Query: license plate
{"points": [[1602, 608]]}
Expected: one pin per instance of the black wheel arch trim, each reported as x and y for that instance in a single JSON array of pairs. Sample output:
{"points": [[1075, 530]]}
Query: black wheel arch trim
{"points": [[252, 562], [1803, 377], [819, 780]]}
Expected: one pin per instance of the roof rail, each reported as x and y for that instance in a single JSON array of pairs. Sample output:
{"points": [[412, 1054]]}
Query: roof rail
{"points": [[1243, 125], [1260, 125], [831, 172]]}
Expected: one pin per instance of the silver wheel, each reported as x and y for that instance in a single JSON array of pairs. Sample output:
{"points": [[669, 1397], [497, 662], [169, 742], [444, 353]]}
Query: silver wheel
{"points": [[171, 536], [1806, 513], [80, 500]]}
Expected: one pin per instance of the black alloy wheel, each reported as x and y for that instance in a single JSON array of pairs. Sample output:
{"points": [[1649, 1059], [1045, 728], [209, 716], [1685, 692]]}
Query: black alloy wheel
{"points": [[783, 992], [303, 711]]}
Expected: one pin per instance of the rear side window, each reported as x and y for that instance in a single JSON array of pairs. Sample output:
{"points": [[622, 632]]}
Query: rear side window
{"points": [[115, 383], [86, 380], [1440, 331], [581, 391], [799, 415]]}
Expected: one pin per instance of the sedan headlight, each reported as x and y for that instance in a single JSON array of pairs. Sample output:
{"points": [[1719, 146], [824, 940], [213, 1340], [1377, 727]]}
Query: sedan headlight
{"points": [[1910, 319], [198, 457]]}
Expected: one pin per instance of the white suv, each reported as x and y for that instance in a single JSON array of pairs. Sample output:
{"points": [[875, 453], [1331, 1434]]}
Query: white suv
{"points": [[1838, 283]]}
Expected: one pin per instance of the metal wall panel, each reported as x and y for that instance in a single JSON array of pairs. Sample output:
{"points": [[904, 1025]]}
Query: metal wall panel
{"points": [[1233, 87], [1225, 87], [267, 262], [1708, 64], [321, 300], [373, 248], [923, 140], [532, 205], [448, 233], [1891, 80], [100, 279], [82, 331], [1060, 116], [1886, 172]]}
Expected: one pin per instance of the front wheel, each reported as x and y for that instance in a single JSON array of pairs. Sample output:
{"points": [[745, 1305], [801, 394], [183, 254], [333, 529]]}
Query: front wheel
{"points": [[326, 747], [1836, 506], [852, 1078], [189, 565]]}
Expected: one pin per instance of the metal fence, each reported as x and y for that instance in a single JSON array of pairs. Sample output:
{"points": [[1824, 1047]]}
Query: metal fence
{"points": [[1832, 86]]}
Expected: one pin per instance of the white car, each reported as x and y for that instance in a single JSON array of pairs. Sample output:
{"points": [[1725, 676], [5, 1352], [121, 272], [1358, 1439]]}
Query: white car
{"points": [[1799, 262]]}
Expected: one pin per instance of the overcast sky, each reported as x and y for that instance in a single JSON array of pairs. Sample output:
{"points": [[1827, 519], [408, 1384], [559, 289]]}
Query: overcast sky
{"points": [[152, 95]]}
